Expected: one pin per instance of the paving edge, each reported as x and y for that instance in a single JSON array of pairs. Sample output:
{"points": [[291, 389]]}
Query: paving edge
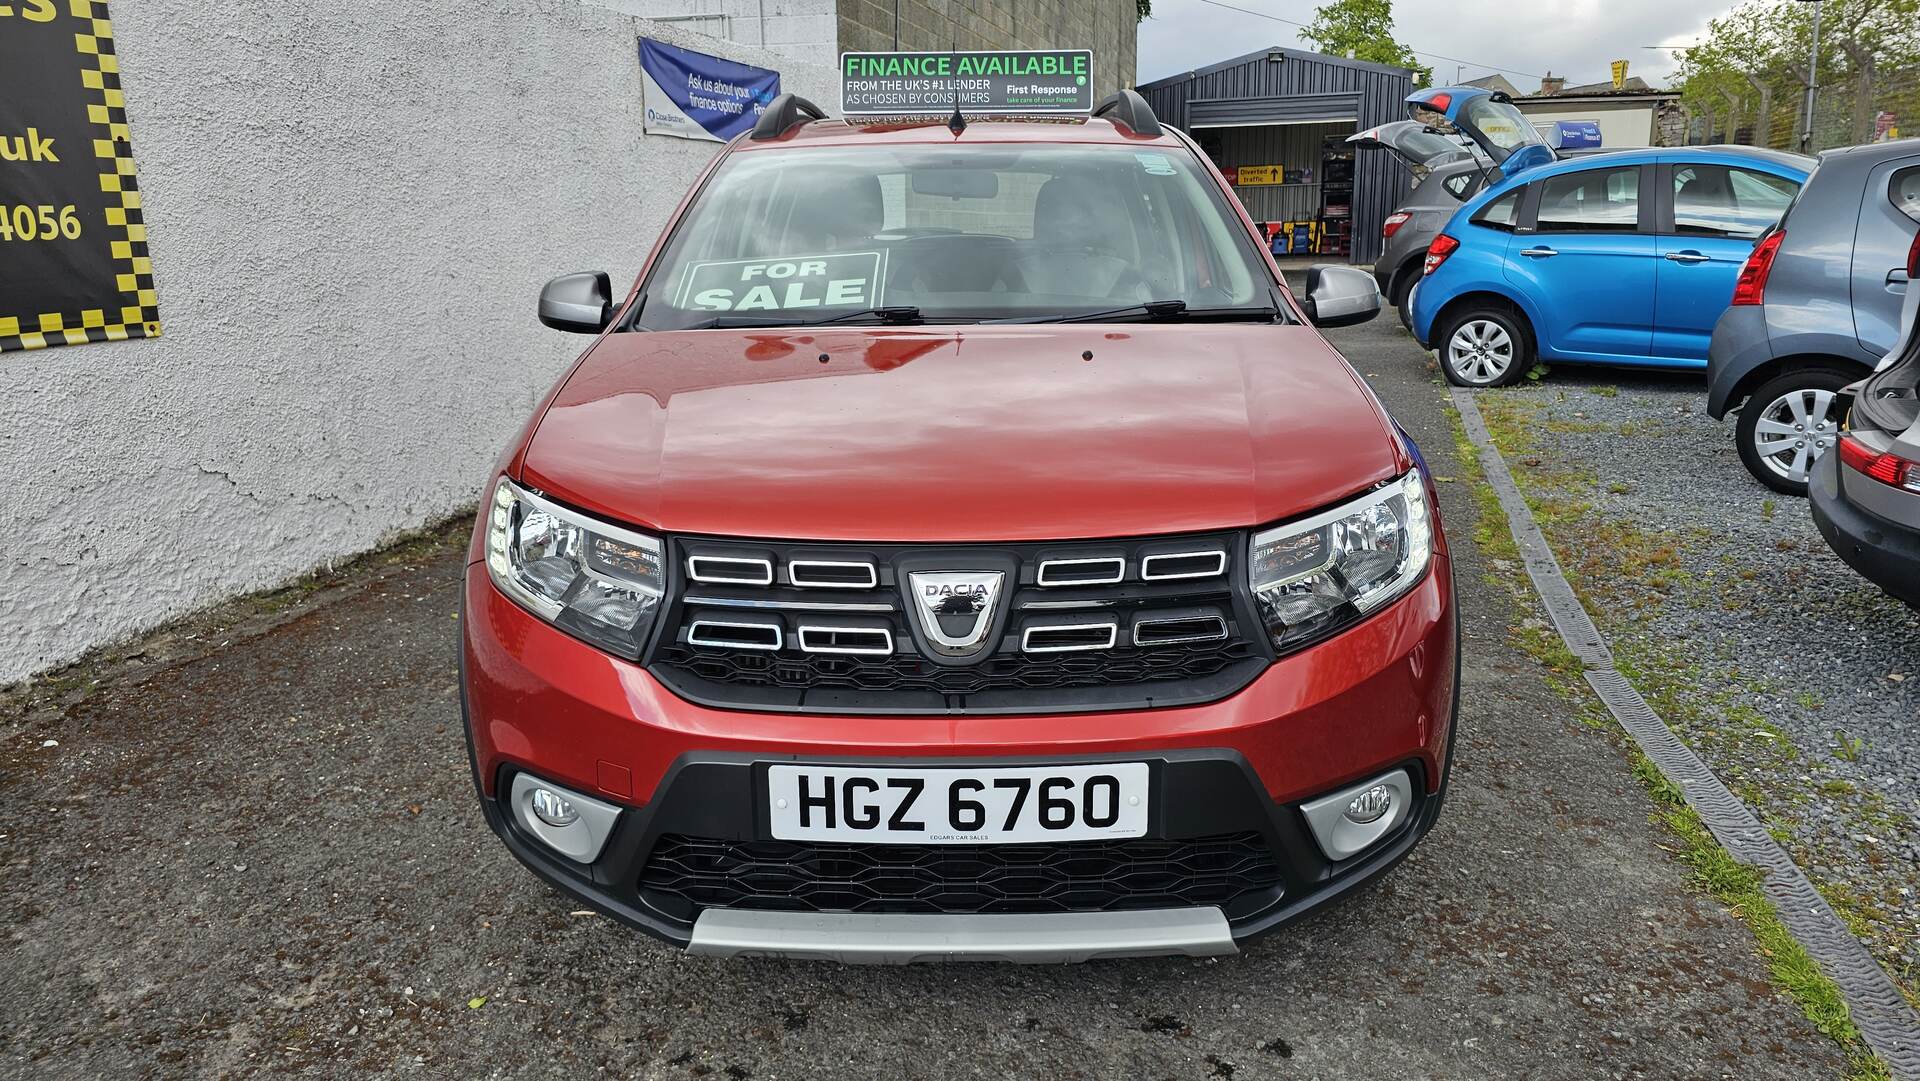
{"points": [[1887, 1022]]}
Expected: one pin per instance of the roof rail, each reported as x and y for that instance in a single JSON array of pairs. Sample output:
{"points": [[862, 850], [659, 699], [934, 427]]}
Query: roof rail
{"points": [[786, 111], [1130, 110]]}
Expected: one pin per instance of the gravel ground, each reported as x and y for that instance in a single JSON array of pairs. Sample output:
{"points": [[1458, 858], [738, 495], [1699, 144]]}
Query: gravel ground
{"points": [[1798, 681], [250, 847]]}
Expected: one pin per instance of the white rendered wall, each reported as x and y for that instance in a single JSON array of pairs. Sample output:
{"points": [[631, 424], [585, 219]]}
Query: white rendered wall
{"points": [[804, 29], [351, 207]]}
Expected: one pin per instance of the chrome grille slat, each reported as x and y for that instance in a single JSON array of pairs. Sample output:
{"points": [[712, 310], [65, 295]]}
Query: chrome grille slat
{"points": [[817, 639], [1147, 564], [795, 569], [760, 571], [713, 633], [1216, 634], [1107, 628], [1118, 563]]}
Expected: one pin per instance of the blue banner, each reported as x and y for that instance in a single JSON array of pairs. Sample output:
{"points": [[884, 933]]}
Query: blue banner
{"points": [[695, 96]]}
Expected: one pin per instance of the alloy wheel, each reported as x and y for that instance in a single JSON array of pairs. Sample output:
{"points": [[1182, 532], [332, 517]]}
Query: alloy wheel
{"points": [[1480, 351], [1794, 430]]}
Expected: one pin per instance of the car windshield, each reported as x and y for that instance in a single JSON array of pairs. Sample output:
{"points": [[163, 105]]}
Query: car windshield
{"points": [[958, 233]]}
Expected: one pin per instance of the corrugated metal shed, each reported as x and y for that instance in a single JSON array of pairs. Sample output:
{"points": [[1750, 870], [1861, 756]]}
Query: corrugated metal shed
{"points": [[1301, 87]]}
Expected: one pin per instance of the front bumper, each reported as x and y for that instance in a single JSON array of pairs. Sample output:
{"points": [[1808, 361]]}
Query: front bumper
{"points": [[1379, 697], [1885, 553]]}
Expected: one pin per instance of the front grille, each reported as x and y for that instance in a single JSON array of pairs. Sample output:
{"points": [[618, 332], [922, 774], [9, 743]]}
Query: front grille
{"points": [[908, 672], [792, 626], [1236, 871]]}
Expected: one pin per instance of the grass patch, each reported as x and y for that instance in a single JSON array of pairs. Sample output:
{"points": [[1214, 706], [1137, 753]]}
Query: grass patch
{"points": [[1618, 566], [1737, 886]]}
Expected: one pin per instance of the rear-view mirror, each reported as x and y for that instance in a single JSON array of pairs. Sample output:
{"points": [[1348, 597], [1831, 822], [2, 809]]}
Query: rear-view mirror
{"points": [[956, 183]]}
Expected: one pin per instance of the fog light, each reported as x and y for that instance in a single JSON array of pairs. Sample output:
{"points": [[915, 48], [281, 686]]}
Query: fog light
{"points": [[1368, 806], [552, 808], [573, 825], [1353, 820]]}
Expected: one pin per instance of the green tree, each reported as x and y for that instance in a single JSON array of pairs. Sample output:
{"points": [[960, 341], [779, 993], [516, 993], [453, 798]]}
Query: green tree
{"points": [[1363, 30], [1752, 67]]}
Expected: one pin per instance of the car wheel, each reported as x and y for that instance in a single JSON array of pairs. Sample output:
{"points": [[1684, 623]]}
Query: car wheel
{"points": [[1403, 299], [1788, 423], [1485, 347]]}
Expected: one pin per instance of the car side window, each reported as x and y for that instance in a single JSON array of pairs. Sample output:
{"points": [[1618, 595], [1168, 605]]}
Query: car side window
{"points": [[1716, 200], [1460, 186], [1905, 191], [1502, 213], [1590, 201]]}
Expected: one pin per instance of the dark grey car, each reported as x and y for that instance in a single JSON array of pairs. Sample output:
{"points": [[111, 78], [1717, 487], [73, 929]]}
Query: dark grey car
{"points": [[1446, 171], [1816, 308]]}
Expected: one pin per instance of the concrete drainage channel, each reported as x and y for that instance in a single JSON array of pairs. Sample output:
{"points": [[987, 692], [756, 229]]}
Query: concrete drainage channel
{"points": [[1885, 1020]]}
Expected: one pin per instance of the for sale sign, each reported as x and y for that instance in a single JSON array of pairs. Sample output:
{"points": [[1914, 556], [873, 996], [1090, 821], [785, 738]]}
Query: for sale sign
{"points": [[788, 283], [73, 236], [915, 84]]}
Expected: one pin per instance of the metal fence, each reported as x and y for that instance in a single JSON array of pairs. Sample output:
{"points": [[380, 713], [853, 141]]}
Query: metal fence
{"points": [[1849, 110]]}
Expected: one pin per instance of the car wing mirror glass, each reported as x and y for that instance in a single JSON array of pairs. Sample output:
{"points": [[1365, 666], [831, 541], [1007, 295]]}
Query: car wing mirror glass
{"points": [[578, 303], [1341, 296]]}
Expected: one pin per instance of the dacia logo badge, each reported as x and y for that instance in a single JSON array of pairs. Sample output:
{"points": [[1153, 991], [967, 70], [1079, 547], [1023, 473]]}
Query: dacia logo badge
{"points": [[956, 608]]}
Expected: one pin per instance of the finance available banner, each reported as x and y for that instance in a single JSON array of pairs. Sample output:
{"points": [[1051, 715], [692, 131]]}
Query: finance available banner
{"points": [[919, 84], [73, 238], [691, 95]]}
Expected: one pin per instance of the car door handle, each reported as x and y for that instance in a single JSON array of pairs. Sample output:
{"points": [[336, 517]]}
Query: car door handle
{"points": [[1538, 253], [1687, 257], [1896, 277]]}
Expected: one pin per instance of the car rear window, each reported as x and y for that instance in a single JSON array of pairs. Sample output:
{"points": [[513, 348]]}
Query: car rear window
{"points": [[1502, 213], [1718, 200]]}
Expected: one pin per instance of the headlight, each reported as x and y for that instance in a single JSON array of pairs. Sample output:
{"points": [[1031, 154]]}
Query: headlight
{"points": [[593, 580], [1312, 577]]}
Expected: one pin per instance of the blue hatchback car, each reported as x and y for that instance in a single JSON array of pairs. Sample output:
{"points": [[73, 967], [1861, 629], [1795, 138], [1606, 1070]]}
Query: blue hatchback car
{"points": [[1626, 257]]}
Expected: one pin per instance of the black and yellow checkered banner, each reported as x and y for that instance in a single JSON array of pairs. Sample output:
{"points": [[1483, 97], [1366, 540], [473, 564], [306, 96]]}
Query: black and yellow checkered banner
{"points": [[73, 241]]}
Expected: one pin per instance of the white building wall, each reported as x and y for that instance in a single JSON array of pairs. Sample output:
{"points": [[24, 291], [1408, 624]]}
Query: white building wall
{"points": [[351, 208], [1621, 124], [805, 29]]}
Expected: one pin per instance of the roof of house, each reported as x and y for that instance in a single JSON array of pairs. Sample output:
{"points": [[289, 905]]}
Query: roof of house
{"points": [[1494, 82], [1636, 88], [1262, 54]]}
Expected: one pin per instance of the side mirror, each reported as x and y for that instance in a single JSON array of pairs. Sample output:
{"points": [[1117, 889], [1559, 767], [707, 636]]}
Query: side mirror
{"points": [[1340, 296], [578, 303]]}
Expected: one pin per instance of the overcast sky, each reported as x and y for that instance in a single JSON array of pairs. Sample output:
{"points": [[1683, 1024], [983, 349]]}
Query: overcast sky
{"points": [[1575, 38]]}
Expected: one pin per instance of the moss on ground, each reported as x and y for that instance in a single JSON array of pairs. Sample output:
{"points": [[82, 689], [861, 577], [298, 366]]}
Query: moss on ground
{"points": [[1615, 553]]}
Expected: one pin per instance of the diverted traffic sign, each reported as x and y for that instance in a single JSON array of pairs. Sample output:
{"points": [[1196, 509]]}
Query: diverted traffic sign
{"points": [[917, 84]]}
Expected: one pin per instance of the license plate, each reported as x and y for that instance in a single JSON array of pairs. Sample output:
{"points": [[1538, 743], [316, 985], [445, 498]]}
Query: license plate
{"points": [[958, 806]]}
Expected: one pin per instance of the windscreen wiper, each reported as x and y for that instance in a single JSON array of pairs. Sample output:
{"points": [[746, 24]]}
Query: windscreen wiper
{"points": [[1156, 311], [898, 315]]}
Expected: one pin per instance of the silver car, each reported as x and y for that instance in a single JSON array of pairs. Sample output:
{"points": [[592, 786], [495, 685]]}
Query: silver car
{"points": [[1816, 307], [1866, 496], [1447, 171]]}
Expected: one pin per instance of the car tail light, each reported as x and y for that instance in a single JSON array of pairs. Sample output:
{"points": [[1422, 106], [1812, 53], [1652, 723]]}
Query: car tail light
{"points": [[1440, 103], [1393, 223], [1437, 252], [1913, 258], [1751, 286], [1888, 469]]}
